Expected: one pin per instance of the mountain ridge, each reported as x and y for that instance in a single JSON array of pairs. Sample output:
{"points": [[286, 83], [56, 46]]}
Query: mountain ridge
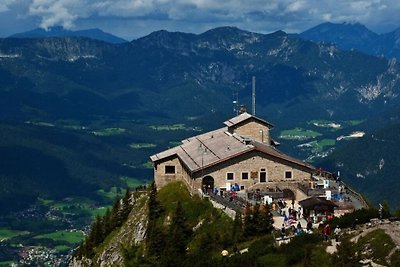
{"points": [[350, 36], [59, 31], [166, 78]]}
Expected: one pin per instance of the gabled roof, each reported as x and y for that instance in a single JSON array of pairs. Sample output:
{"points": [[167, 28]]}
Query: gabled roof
{"points": [[243, 117], [272, 151], [208, 149]]}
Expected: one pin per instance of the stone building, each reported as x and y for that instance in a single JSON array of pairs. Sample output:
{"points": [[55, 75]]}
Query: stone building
{"points": [[241, 154]]}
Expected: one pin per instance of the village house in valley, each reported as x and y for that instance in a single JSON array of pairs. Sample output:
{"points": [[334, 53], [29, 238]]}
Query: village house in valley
{"points": [[241, 154]]}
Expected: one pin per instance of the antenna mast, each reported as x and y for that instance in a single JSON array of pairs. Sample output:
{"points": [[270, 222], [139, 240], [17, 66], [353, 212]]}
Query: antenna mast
{"points": [[254, 95], [236, 102]]}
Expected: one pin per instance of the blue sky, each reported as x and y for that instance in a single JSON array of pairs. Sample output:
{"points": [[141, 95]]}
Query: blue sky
{"points": [[131, 19]]}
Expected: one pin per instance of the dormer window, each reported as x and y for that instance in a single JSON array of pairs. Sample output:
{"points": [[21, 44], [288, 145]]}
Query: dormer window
{"points": [[247, 141]]}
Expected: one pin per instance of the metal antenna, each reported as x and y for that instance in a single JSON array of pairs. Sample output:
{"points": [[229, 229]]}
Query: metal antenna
{"points": [[236, 102], [254, 95]]}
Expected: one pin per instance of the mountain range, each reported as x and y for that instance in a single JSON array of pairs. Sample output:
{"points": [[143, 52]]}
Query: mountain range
{"points": [[348, 36], [183, 83], [59, 31]]}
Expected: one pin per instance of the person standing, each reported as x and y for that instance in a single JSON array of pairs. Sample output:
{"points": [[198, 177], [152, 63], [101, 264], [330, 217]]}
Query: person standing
{"points": [[337, 232], [326, 231], [309, 226], [283, 231]]}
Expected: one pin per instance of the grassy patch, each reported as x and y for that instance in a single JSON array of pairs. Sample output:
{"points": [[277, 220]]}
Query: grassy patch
{"points": [[299, 134], [45, 202], [215, 223], [99, 211], [73, 127], [354, 122], [147, 165], [41, 123], [7, 233], [322, 144], [70, 204], [318, 146], [70, 237], [70, 124], [192, 118], [326, 124], [62, 248], [7, 263], [109, 131], [377, 244], [172, 127], [112, 194], [132, 182], [142, 145]]}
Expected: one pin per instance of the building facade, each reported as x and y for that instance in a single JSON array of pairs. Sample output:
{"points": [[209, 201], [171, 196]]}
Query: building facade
{"points": [[241, 154]]}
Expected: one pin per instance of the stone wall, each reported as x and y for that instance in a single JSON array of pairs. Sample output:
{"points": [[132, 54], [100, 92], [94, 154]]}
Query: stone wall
{"points": [[161, 178], [252, 163], [255, 130]]}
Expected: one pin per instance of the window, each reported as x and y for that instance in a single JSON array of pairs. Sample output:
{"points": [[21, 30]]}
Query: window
{"points": [[288, 174], [169, 169], [230, 176], [245, 175]]}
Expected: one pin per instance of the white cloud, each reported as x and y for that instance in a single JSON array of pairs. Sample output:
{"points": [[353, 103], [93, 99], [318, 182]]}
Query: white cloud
{"points": [[196, 15], [297, 6], [5, 5]]}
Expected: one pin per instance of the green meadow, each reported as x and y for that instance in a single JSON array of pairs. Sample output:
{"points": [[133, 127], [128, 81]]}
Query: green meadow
{"points": [[7, 233], [67, 236], [109, 131], [299, 134], [142, 145], [172, 127]]}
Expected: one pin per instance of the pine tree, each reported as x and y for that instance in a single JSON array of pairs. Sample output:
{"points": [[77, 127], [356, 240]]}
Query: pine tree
{"points": [[237, 231], [177, 240], [266, 221], [126, 205], [96, 235], [107, 225], [155, 209], [249, 226], [346, 255], [155, 240], [116, 214]]}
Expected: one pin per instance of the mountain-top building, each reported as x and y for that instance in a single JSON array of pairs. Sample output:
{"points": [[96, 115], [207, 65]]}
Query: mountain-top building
{"points": [[241, 154]]}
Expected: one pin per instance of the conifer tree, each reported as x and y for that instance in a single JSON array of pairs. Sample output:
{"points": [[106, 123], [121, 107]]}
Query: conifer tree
{"points": [[256, 219], [96, 234], [346, 255], [155, 240], [116, 214], [265, 224], [178, 237], [126, 205], [249, 227], [237, 231], [107, 225]]}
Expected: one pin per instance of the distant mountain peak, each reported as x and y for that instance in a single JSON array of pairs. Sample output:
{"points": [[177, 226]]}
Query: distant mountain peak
{"points": [[339, 28], [59, 31], [354, 35]]}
